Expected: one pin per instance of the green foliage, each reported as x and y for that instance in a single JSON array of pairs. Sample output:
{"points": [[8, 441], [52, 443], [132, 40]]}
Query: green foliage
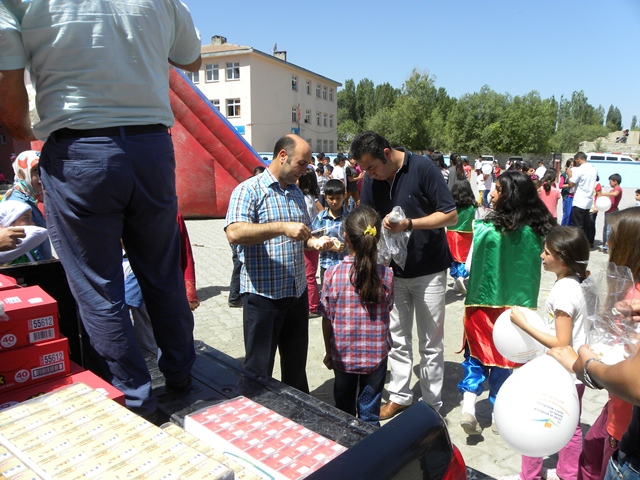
{"points": [[571, 132], [420, 114], [614, 119], [347, 129], [634, 123]]}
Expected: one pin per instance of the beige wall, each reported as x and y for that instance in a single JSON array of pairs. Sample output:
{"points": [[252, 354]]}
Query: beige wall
{"points": [[266, 97]]}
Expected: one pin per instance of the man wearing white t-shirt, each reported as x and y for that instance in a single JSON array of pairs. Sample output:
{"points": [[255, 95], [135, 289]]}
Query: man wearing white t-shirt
{"points": [[583, 178], [338, 169]]}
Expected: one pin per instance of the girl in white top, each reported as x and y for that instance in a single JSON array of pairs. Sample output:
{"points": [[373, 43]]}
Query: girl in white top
{"points": [[566, 253]]}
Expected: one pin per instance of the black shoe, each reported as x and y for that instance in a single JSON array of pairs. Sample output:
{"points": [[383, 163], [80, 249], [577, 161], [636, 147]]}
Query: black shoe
{"points": [[235, 304], [177, 384]]}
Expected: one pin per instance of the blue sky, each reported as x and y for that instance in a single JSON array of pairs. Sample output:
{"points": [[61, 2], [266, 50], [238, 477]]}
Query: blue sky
{"points": [[552, 46]]}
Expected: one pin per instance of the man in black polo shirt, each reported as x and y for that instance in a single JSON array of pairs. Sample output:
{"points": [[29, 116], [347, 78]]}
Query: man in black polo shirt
{"points": [[413, 182]]}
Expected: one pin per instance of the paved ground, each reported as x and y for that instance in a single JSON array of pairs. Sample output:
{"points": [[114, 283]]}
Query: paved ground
{"points": [[221, 327]]}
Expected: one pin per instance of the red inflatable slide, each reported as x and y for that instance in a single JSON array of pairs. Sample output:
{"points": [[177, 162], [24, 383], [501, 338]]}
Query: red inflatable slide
{"points": [[211, 156]]}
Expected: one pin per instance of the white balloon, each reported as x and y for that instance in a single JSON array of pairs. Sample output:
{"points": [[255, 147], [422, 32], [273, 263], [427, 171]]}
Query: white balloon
{"points": [[512, 342], [603, 204], [537, 408], [487, 169]]}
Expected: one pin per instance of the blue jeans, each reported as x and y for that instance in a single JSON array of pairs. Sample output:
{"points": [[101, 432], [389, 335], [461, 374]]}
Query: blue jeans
{"points": [[627, 469], [567, 202], [99, 190], [361, 393], [606, 230]]}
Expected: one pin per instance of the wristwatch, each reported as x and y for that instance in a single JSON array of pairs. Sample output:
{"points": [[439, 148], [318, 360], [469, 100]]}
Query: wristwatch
{"points": [[410, 227], [588, 381]]}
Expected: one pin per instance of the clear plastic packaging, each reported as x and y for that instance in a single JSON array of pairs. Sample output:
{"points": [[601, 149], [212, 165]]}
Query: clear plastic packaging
{"points": [[612, 331], [393, 246]]}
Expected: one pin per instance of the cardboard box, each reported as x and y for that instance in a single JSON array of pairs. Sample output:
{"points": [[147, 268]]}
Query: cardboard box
{"points": [[35, 364], [7, 282], [33, 318]]}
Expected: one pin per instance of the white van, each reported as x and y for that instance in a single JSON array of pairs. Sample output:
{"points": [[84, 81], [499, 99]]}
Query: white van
{"points": [[609, 157]]}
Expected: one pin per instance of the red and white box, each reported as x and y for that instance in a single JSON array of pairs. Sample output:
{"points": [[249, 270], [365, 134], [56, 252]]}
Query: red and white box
{"points": [[7, 282], [264, 442], [35, 364], [33, 318], [77, 375]]}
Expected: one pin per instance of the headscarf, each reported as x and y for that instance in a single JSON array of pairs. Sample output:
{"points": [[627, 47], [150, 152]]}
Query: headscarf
{"points": [[10, 211], [23, 166]]}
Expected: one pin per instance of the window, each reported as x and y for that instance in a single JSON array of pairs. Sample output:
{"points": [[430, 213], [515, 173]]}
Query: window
{"points": [[319, 145], [318, 118], [331, 122], [308, 87], [331, 145], [309, 142], [324, 120], [324, 93], [212, 73], [318, 90], [326, 146], [216, 103], [233, 70], [233, 107], [194, 76], [294, 82], [294, 114], [307, 116], [331, 94]]}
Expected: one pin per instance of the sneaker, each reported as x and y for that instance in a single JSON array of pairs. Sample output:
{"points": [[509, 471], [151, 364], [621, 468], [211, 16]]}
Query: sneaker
{"points": [[462, 288], [455, 287], [470, 425], [178, 385], [549, 474]]}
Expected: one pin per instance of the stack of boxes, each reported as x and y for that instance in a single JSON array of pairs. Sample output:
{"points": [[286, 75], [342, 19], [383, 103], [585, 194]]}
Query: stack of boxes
{"points": [[34, 357]]}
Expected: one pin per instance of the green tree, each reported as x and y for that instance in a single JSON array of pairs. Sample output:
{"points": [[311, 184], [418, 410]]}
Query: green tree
{"points": [[347, 102], [634, 123], [347, 129], [385, 96], [365, 101], [614, 119], [569, 135], [529, 123], [474, 124]]}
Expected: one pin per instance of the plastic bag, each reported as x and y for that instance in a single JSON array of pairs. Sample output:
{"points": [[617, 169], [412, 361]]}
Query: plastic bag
{"points": [[394, 245], [612, 332]]}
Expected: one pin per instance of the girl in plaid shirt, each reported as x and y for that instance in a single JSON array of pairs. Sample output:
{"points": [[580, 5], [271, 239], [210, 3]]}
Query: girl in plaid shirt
{"points": [[357, 297]]}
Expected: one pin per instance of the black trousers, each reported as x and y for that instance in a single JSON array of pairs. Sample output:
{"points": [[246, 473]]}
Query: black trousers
{"points": [[283, 324], [580, 218]]}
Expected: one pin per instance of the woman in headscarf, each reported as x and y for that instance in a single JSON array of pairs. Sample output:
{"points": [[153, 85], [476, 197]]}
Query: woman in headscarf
{"points": [[28, 189]]}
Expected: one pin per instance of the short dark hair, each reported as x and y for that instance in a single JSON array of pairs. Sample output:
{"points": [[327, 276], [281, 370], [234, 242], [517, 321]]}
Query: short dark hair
{"points": [[369, 143], [334, 187], [616, 178], [638, 191], [581, 156], [258, 170], [286, 143]]}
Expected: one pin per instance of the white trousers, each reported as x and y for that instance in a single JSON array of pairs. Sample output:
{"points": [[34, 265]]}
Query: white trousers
{"points": [[425, 296]]}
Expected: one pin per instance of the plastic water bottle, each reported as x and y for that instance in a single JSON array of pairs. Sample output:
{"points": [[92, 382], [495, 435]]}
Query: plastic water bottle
{"points": [[3, 316]]}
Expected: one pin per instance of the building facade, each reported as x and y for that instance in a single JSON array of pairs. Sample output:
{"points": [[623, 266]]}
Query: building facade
{"points": [[264, 97]]}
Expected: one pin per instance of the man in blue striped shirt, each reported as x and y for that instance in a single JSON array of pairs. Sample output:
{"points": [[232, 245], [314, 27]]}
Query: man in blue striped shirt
{"points": [[267, 217]]}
